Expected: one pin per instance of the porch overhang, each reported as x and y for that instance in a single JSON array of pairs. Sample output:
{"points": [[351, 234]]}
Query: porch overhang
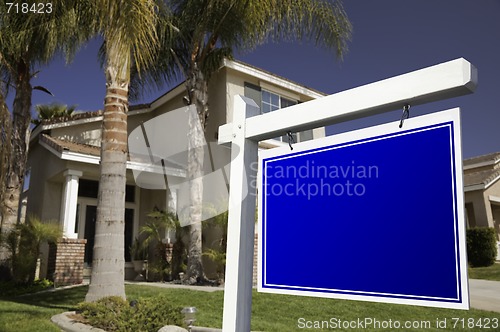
{"points": [[91, 155]]}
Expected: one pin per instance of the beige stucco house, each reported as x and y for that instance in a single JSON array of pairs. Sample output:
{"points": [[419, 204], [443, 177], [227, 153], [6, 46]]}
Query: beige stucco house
{"points": [[63, 165], [482, 192]]}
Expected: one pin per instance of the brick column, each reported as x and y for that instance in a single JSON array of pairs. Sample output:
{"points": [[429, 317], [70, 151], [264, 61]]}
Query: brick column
{"points": [[65, 263]]}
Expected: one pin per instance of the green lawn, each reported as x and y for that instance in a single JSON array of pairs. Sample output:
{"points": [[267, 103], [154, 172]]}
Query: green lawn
{"points": [[270, 312], [488, 273], [32, 313]]}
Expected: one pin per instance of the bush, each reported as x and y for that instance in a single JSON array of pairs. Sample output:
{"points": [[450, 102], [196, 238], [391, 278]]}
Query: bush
{"points": [[116, 314], [12, 288], [23, 244], [481, 246]]}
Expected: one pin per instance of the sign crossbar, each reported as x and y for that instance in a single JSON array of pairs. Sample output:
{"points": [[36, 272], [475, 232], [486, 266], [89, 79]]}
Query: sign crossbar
{"points": [[443, 81]]}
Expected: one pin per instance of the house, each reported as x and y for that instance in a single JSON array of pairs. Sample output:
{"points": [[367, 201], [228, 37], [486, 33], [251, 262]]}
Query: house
{"points": [[482, 192], [63, 163]]}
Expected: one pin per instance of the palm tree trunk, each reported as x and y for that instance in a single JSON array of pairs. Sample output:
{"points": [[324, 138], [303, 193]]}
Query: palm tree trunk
{"points": [[108, 265], [19, 143], [5, 150], [197, 85]]}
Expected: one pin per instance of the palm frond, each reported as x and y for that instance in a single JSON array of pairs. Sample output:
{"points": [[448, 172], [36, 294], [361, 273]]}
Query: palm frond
{"points": [[324, 22], [41, 88]]}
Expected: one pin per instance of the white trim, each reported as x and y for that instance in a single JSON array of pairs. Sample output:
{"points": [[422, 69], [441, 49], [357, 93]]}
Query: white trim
{"points": [[140, 111], [481, 164], [491, 182], [494, 199], [69, 201], [280, 82], [156, 169], [51, 149], [474, 187], [80, 157], [279, 91]]}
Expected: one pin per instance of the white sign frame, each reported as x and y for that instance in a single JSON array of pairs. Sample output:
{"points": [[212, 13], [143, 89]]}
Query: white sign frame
{"points": [[447, 118]]}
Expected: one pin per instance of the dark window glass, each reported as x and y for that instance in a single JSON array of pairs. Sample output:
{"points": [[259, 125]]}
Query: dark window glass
{"points": [[130, 194], [129, 228], [88, 188]]}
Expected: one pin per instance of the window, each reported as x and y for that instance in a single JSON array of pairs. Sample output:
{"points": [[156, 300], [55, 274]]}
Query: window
{"points": [[270, 102], [27, 179], [90, 188]]}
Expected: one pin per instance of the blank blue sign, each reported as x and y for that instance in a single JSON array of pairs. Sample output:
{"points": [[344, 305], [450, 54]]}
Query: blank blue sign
{"points": [[375, 215]]}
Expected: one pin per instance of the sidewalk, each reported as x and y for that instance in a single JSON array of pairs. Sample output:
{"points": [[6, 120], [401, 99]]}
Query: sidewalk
{"points": [[484, 294]]}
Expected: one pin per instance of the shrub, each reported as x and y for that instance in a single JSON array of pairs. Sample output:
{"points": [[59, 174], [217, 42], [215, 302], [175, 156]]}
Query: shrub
{"points": [[12, 288], [115, 314], [23, 244], [481, 246]]}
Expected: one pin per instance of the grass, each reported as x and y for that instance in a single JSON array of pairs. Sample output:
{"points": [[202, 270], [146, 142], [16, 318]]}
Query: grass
{"points": [[270, 312], [31, 313], [487, 273]]}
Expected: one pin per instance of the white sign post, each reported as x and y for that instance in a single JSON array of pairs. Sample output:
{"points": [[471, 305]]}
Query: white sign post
{"points": [[442, 81]]}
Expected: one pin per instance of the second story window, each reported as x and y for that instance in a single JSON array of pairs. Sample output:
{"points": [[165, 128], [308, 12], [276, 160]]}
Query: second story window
{"points": [[272, 102], [269, 102]]}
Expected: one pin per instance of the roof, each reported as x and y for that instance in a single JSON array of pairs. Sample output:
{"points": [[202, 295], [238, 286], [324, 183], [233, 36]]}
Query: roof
{"points": [[92, 153], [61, 145], [490, 158], [482, 178], [73, 117], [233, 64], [482, 171]]}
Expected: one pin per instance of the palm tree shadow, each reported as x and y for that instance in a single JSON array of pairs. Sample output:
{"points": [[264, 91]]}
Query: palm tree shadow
{"points": [[62, 299]]}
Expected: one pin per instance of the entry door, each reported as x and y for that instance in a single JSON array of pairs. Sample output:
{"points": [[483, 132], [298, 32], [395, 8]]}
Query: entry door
{"points": [[90, 218]]}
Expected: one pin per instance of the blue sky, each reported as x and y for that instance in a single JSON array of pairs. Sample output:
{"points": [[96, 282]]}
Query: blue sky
{"points": [[391, 37]]}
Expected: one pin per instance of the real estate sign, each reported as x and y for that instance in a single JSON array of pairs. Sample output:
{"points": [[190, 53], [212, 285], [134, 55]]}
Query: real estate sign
{"points": [[375, 214]]}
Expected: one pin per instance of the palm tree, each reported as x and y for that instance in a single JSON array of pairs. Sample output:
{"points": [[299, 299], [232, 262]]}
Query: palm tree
{"points": [[128, 28], [5, 150], [28, 41], [209, 31], [51, 111]]}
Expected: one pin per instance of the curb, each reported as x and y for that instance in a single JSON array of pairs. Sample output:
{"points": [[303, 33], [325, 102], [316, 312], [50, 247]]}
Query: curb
{"points": [[69, 325]]}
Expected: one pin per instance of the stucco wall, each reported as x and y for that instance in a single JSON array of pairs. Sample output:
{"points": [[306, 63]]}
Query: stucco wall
{"points": [[482, 208]]}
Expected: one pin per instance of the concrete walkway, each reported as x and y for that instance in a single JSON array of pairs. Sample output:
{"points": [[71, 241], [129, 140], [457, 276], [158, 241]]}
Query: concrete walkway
{"points": [[485, 294]]}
